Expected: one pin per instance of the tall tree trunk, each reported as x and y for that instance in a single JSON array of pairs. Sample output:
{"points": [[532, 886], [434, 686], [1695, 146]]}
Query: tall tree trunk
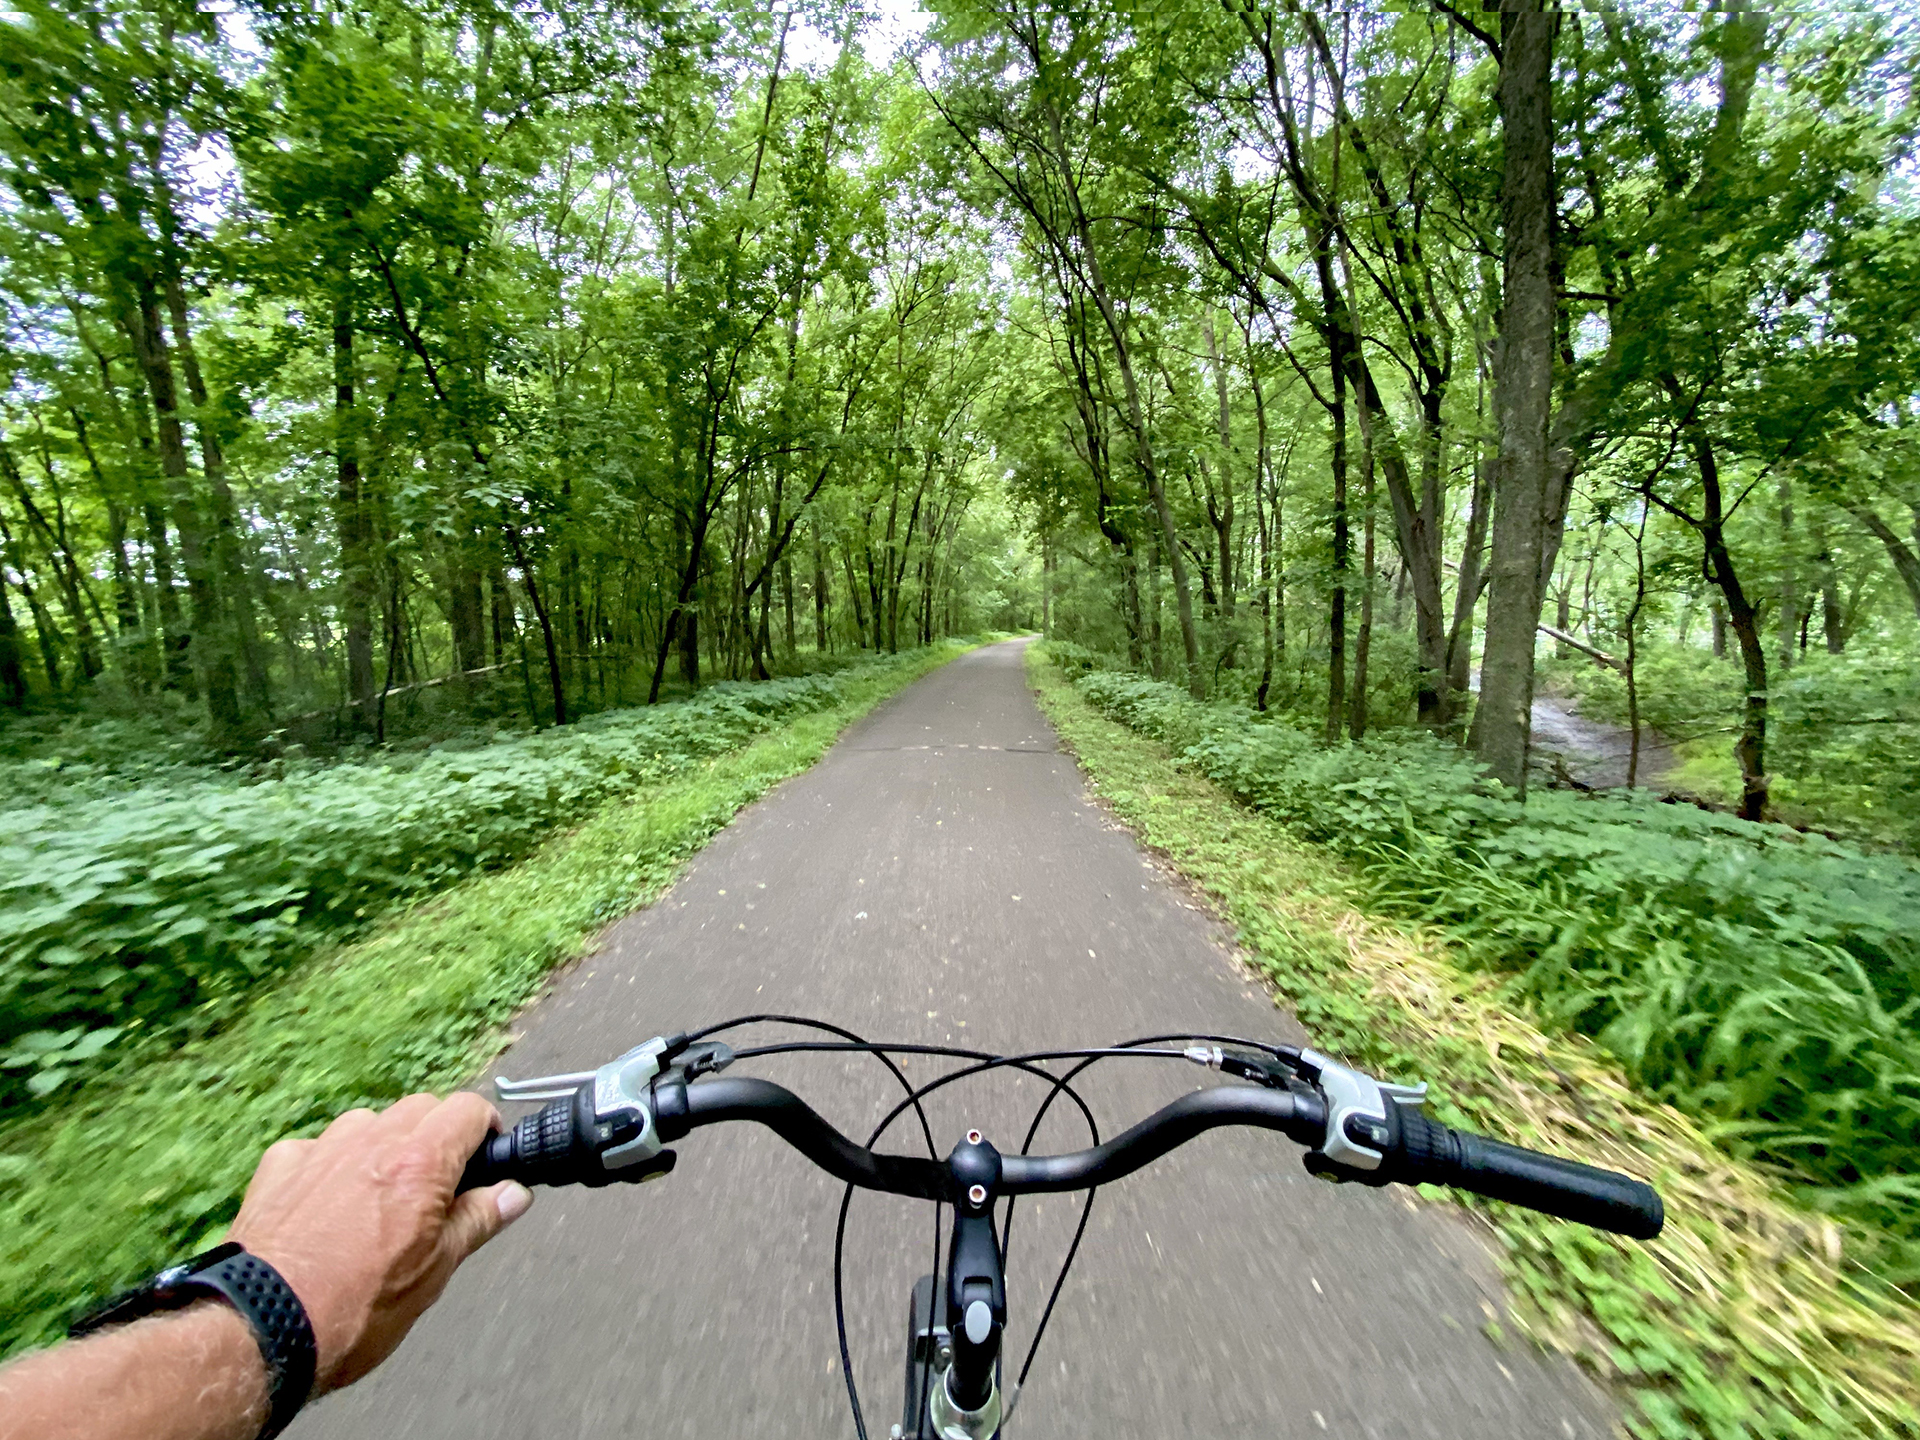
{"points": [[351, 522], [1363, 642], [853, 594], [1157, 637], [13, 681], [464, 607], [1751, 748], [820, 597], [206, 644], [1789, 578], [1472, 582], [126, 589], [786, 601], [229, 547], [1523, 395], [60, 559], [1832, 617], [1222, 517], [1337, 600]]}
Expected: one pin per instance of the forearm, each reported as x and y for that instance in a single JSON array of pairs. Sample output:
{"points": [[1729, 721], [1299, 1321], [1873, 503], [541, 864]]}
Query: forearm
{"points": [[192, 1375]]}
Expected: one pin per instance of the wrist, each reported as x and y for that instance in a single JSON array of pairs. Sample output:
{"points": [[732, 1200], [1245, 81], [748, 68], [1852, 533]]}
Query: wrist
{"points": [[222, 1344]]}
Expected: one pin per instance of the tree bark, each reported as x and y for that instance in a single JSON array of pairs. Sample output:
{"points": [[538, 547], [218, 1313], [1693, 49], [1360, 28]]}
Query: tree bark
{"points": [[13, 681], [205, 639], [1523, 394], [1222, 517], [1905, 562], [1789, 579], [229, 547], [350, 518], [1363, 642]]}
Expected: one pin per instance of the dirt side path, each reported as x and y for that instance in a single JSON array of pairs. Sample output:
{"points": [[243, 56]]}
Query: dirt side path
{"points": [[942, 876]]}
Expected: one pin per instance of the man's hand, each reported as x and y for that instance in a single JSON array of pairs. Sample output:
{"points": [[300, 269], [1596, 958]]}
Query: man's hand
{"points": [[364, 1225]]}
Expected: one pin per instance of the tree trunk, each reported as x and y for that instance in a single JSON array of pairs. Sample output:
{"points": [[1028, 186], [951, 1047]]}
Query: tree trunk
{"points": [[464, 609], [1156, 636], [13, 681], [1751, 749], [1902, 555], [229, 546], [350, 517], [1523, 393], [1337, 600], [1832, 616], [853, 594], [1363, 642], [206, 639], [786, 601], [819, 594], [1789, 579], [1223, 517]]}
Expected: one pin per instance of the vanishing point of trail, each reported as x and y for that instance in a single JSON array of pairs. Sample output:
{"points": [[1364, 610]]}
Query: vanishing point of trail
{"points": [[941, 876]]}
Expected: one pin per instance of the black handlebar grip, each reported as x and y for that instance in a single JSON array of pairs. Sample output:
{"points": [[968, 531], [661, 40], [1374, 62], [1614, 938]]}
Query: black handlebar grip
{"points": [[543, 1148], [1430, 1153]]}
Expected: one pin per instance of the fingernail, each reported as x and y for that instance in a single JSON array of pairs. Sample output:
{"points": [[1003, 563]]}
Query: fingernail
{"points": [[515, 1200]]}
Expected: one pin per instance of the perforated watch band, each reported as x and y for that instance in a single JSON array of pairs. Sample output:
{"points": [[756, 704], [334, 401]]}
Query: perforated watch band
{"points": [[254, 1288]]}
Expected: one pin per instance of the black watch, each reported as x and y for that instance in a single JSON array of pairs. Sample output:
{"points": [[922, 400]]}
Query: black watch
{"points": [[254, 1288]]}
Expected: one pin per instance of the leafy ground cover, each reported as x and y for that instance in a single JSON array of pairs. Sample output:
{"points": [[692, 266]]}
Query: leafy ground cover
{"points": [[1751, 1316], [1764, 980], [151, 1157], [126, 908], [1842, 731]]}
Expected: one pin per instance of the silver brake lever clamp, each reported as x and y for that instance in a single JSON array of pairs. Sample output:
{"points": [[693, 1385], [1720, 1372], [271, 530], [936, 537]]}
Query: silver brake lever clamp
{"points": [[1354, 1094]]}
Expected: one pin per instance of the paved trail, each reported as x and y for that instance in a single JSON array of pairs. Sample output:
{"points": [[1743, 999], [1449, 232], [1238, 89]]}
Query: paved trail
{"points": [[941, 876]]}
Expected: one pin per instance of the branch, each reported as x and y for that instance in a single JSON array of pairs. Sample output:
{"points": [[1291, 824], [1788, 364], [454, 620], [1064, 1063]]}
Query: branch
{"points": [[1598, 656]]}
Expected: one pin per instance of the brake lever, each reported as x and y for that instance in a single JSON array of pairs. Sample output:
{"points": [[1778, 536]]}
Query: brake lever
{"points": [[1362, 1118], [618, 1095]]}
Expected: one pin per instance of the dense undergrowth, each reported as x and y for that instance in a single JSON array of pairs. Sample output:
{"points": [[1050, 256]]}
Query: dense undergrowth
{"points": [[1764, 980], [144, 1162], [131, 905], [1842, 731], [1750, 1318]]}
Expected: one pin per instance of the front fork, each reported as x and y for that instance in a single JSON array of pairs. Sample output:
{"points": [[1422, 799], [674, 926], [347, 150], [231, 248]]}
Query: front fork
{"points": [[959, 1360]]}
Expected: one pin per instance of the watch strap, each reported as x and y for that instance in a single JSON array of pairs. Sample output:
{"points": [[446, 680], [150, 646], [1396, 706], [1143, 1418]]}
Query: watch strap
{"points": [[280, 1327], [263, 1298]]}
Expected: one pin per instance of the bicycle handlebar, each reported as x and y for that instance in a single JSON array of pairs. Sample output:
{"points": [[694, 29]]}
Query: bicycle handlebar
{"points": [[562, 1145]]}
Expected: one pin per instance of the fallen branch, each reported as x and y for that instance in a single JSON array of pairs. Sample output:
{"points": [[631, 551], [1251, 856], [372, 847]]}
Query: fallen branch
{"points": [[291, 721], [1599, 656]]}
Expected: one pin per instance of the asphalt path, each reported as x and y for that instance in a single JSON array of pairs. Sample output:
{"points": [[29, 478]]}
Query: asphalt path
{"points": [[942, 876]]}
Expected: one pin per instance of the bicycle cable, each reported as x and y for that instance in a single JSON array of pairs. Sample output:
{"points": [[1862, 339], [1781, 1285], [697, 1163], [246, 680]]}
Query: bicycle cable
{"points": [[1030, 1064]]}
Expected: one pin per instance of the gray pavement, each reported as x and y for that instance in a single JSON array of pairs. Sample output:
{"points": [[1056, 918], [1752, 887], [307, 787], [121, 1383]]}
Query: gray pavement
{"points": [[942, 876]]}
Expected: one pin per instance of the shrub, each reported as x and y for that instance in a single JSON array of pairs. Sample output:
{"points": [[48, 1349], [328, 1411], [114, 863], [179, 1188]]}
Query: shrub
{"points": [[1762, 978], [154, 907]]}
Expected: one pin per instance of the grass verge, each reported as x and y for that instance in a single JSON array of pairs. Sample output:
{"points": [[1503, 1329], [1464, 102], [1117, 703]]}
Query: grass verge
{"points": [[1746, 1319], [147, 1161]]}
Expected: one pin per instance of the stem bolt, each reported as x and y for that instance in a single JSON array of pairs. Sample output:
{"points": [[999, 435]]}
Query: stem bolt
{"points": [[973, 1137], [977, 1195]]}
